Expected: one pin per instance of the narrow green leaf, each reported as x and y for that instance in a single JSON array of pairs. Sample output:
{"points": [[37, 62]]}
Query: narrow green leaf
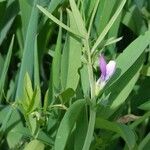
{"points": [[49, 15], [92, 17], [36, 65], [1, 63], [67, 124], [144, 142], [124, 131], [46, 101], [42, 136], [12, 10], [53, 4], [28, 86], [5, 68], [145, 106], [108, 26]]}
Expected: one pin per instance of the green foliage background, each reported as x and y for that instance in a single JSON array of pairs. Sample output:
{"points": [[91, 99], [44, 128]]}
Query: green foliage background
{"points": [[49, 51]]}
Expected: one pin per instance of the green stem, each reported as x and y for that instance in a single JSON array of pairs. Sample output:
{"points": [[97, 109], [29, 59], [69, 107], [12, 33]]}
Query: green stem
{"points": [[90, 130], [90, 69]]}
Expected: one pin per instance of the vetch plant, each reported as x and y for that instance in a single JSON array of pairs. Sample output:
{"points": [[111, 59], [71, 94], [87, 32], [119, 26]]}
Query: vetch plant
{"points": [[52, 96]]}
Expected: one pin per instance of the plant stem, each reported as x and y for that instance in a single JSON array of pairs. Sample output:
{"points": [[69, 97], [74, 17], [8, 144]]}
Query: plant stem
{"points": [[90, 130], [90, 69]]}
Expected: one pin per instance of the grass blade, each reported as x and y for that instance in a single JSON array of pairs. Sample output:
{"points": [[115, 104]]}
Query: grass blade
{"points": [[5, 69], [28, 54]]}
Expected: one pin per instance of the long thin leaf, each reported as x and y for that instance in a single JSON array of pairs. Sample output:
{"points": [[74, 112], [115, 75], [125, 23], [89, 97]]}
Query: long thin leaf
{"points": [[36, 65], [49, 15], [109, 25], [5, 69]]}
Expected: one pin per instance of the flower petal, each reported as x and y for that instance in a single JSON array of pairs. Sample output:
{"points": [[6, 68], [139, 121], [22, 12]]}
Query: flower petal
{"points": [[102, 65], [110, 69]]}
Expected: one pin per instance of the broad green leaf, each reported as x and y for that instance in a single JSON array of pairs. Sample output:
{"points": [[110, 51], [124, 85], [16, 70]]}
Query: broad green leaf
{"points": [[56, 65], [5, 68], [25, 12], [71, 59], [122, 96], [66, 95], [28, 53], [33, 124], [130, 55], [35, 145], [68, 123], [124, 131], [105, 10], [64, 62], [10, 123], [78, 18]]}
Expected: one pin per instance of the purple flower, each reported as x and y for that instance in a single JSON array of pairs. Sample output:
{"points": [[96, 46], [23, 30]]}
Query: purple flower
{"points": [[107, 70]]}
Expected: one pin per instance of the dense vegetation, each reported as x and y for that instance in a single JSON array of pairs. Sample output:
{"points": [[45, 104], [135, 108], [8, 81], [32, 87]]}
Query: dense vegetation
{"points": [[74, 74]]}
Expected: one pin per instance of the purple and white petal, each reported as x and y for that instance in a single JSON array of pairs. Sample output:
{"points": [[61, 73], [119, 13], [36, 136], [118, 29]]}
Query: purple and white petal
{"points": [[110, 69], [102, 65]]}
